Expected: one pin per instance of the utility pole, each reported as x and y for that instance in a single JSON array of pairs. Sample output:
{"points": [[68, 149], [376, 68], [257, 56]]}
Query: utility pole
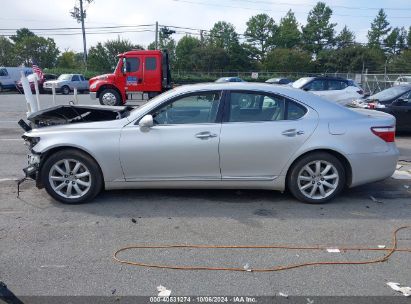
{"points": [[79, 14], [84, 33], [156, 40], [201, 37]]}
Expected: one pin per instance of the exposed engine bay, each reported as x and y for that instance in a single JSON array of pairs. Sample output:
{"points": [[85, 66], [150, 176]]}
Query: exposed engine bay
{"points": [[68, 114]]}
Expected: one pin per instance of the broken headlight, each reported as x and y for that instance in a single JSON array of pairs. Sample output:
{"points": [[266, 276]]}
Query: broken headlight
{"points": [[30, 142]]}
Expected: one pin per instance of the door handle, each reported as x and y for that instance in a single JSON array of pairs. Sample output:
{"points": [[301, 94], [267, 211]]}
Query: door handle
{"points": [[292, 132], [205, 135]]}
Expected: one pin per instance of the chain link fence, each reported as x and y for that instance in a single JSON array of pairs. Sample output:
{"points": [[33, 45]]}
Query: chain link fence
{"points": [[371, 83]]}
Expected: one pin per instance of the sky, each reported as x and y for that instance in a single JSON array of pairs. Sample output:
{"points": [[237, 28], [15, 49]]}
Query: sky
{"points": [[195, 14]]}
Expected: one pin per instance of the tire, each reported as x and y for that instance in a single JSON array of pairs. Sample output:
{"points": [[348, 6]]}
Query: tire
{"points": [[83, 188], [65, 90], [1, 88], [110, 97], [302, 182]]}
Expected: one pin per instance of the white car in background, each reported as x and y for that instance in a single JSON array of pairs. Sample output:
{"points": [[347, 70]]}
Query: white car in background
{"points": [[339, 90], [402, 80]]}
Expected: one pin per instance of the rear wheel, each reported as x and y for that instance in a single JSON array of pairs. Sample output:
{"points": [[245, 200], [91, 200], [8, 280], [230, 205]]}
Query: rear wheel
{"points": [[316, 178], [110, 97], [65, 90], [71, 177]]}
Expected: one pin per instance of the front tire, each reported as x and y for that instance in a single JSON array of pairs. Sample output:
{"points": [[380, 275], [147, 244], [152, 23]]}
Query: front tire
{"points": [[65, 90], [316, 178], [71, 177], [110, 97]]}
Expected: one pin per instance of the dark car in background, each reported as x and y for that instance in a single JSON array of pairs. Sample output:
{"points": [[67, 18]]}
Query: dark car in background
{"points": [[229, 79], [279, 81], [401, 109], [30, 78]]}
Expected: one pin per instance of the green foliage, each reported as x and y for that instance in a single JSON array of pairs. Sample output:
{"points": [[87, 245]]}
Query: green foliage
{"points": [[103, 56], [69, 60], [223, 35], [288, 34], [401, 63], [287, 60], [260, 33], [345, 38], [318, 33], [380, 27], [7, 56], [185, 59], [395, 41], [353, 58]]}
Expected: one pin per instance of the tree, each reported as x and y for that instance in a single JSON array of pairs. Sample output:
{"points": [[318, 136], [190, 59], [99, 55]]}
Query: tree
{"points": [[345, 38], [288, 60], [69, 60], [260, 33], [210, 58], [401, 63], [103, 57], [395, 41], [7, 56], [223, 35], [318, 33], [288, 34], [380, 27], [409, 38], [184, 52], [29, 47]]}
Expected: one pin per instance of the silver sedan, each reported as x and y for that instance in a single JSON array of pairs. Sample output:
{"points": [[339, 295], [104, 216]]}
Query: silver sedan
{"points": [[220, 135]]}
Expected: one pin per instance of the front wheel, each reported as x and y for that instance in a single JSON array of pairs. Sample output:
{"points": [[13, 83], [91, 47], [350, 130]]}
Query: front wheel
{"points": [[71, 177], [316, 178], [65, 90], [110, 97]]}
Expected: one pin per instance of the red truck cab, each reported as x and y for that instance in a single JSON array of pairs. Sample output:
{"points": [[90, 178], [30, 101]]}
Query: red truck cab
{"points": [[139, 75]]}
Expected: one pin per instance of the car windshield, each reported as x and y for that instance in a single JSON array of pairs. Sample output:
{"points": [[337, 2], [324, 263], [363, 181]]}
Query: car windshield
{"points": [[64, 77], [301, 82], [389, 93]]}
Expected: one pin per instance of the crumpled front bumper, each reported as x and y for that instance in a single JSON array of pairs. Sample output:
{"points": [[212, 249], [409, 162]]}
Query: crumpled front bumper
{"points": [[32, 170]]}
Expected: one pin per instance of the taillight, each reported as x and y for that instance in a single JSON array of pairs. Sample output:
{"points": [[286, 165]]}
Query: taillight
{"points": [[387, 134]]}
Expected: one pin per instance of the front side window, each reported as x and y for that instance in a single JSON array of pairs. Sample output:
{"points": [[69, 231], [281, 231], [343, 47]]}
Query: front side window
{"points": [[3, 72], [75, 78], [189, 109], [132, 65], [151, 64]]}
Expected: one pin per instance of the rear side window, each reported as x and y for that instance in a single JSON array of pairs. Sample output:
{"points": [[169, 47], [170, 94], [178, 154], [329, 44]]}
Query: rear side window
{"points": [[151, 64], [3, 72], [253, 107], [132, 64], [316, 85], [336, 85]]}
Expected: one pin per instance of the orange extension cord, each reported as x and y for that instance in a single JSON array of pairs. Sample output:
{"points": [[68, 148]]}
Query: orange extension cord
{"points": [[277, 268]]}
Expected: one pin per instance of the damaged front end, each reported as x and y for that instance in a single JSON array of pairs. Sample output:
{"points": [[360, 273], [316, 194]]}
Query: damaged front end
{"points": [[69, 114]]}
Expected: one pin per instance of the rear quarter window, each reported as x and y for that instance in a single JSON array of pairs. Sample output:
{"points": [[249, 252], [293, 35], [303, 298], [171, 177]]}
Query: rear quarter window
{"points": [[295, 111]]}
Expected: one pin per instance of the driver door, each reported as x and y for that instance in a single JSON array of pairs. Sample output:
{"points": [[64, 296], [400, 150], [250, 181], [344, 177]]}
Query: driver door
{"points": [[181, 146]]}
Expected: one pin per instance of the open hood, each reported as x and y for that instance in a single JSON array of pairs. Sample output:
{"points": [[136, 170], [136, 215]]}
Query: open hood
{"points": [[67, 114]]}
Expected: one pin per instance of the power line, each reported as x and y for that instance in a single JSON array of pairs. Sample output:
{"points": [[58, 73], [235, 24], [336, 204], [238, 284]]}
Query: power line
{"points": [[273, 10], [79, 28], [331, 5]]}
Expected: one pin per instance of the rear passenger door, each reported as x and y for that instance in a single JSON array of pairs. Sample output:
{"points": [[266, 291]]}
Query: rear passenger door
{"points": [[260, 133]]}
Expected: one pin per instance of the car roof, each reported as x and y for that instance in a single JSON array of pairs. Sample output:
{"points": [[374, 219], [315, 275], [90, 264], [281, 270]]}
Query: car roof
{"points": [[326, 107]]}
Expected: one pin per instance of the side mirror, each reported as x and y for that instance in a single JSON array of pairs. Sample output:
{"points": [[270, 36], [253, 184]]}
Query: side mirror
{"points": [[146, 122]]}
